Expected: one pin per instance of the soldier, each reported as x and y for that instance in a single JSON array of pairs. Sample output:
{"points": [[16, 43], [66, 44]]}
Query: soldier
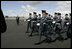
{"points": [[39, 16], [69, 36], [38, 22], [29, 22], [34, 23], [58, 28], [17, 19], [68, 33], [66, 19], [55, 16], [42, 28], [49, 20], [3, 26], [59, 20]]}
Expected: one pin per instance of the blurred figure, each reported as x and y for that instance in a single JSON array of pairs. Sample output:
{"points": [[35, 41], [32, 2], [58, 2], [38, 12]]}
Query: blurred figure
{"points": [[3, 25], [17, 19], [39, 16], [29, 22], [47, 14], [51, 17]]}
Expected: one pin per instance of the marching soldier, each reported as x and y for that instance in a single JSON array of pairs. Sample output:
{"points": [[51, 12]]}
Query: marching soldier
{"points": [[42, 27], [38, 22], [58, 28], [68, 33], [29, 22], [34, 23]]}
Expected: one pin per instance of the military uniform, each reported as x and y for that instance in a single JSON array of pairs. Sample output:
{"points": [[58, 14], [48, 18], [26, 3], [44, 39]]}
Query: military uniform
{"points": [[42, 29], [58, 28], [33, 24], [55, 18], [66, 20], [68, 33], [38, 21], [29, 24]]}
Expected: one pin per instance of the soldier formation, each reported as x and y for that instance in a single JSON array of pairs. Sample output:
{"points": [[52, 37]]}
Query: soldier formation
{"points": [[47, 25]]}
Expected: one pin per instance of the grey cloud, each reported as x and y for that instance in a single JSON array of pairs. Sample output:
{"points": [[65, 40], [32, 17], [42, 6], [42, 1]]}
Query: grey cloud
{"points": [[34, 2]]}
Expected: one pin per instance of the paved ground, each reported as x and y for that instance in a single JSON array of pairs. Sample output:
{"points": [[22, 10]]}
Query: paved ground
{"points": [[15, 37]]}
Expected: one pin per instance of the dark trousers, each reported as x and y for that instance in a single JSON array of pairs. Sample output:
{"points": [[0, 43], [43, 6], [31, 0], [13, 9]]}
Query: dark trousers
{"points": [[17, 22], [65, 24], [68, 34], [28, 26], [42, 31], [57, 31], [33, 28]]}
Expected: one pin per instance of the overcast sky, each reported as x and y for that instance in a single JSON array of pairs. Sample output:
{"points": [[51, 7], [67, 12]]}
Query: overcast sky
{"points": [[22, 8]]}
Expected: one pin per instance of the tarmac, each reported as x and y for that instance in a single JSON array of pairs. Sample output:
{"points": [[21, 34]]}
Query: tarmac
{"points": [[15, 37]]}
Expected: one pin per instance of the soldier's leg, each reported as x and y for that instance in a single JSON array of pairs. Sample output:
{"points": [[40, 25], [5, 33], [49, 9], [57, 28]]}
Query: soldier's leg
{"points": [[40, 32], [30, 25], [68, 34], [64, 25], [27, 27], [32, 30], [54, 36], [36, 27], [54, 32], [48, 39], [68, 31], [39, 39], [60, 36]]}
